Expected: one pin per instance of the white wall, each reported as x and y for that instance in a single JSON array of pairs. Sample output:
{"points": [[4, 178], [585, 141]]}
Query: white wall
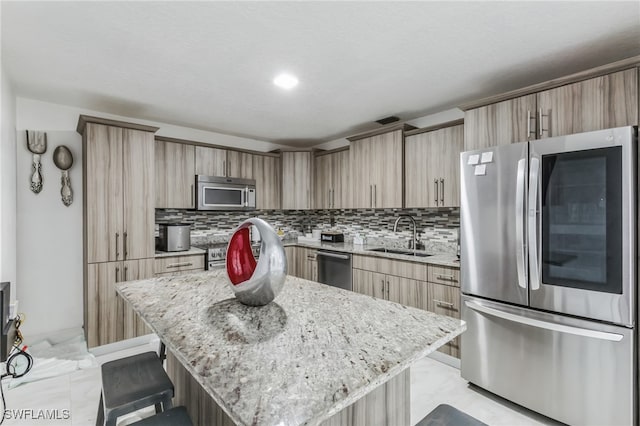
{"points": [[8, 184], [426, 121], [49, 248]]}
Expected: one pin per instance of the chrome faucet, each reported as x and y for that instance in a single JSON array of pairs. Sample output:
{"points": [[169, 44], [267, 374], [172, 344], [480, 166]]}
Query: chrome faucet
{"points": [[414, 243]]}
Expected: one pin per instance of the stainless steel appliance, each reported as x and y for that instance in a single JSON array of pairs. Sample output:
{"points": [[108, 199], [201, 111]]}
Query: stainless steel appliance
{"points": [[334, 268], [174, 237], [216, 254], [223, 193], [548, 268]]}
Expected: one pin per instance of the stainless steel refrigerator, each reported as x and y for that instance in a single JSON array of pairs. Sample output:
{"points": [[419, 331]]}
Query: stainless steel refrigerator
{"points": [[548, 270]]}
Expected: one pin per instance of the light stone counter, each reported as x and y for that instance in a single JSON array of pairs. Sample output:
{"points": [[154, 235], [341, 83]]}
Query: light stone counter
{"points": [[441, 259], [191, 251], [311, 353]]}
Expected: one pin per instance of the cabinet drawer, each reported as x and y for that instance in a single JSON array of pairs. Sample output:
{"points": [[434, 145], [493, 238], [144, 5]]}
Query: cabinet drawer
{"points": [[444, 275], [398, 268], [444, 300], [179, 263]]}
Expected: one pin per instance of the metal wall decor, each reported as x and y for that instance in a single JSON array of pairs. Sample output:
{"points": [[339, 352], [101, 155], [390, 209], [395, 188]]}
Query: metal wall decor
{"points": [[63, 159], [37, 145]]}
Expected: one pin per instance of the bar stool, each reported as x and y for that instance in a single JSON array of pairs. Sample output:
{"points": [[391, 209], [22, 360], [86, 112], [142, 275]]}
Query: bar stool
{"points": [[177, 416], [132, 383], [446, 415]]}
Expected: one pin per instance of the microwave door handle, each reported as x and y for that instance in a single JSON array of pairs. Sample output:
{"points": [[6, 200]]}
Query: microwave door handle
{"points": [[532, 223], [244, 197], [520, 245]]}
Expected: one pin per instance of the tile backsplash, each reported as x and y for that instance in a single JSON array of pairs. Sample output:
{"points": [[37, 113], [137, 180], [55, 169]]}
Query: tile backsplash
{"points": [[437, 228]]}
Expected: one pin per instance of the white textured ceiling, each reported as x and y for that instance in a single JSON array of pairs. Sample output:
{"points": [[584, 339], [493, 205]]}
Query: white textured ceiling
{"points": [[209, 65]]}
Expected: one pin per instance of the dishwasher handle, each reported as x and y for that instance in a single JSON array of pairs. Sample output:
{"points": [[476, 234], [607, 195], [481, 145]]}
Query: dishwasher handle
{"points": [[336, 256]]}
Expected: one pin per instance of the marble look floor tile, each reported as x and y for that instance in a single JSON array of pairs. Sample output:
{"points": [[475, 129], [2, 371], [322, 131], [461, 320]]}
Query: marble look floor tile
{"points": [[49, 394], [85, 396]]}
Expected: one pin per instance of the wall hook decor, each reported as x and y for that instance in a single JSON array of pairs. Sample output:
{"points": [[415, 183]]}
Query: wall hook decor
{"points": [[63, 159], [37, 145]]}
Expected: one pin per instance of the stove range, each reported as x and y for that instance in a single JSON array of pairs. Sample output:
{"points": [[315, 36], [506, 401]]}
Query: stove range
{"points": [[216, 254]]}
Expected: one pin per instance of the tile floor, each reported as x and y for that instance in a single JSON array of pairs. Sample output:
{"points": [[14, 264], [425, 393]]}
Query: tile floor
{"points": [[432, 383]]}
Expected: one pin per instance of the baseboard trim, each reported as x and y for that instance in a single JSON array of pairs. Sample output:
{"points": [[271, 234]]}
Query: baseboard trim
{"points": [[123, 344], [445, 359]]}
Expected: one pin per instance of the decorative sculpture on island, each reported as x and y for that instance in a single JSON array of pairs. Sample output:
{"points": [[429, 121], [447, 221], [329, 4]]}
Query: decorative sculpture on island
{"points": [[256, 283]]}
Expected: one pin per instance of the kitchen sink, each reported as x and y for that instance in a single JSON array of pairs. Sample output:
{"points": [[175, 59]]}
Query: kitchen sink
{"points": [[400, 251]]}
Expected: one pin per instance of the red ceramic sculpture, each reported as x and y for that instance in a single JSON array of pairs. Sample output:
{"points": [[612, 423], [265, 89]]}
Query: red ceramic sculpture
{"points": [[240, 261]]}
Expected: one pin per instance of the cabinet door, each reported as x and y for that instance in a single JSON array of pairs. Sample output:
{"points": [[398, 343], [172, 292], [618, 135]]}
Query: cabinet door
{"points": [[445, 300], [291, 252], [103, 193], [138, 187], [210, 161], [267, 173], [594, 104], [387, 170], [340, 180], [369, 283], [135, 270], [308, 263], [323, 182], [175, 175], [451, 141], [419, 186], [296, 180], [501, 123], [360, 155], [240, 164], [407, 292], [104, 307]]}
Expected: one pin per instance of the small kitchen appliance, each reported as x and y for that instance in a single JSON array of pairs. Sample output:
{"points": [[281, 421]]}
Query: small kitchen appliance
{"points": [[332, 237], [174, 237]]}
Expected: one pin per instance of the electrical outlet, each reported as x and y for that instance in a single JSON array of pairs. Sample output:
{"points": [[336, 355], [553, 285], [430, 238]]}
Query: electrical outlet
{"points": [[13, 309]]}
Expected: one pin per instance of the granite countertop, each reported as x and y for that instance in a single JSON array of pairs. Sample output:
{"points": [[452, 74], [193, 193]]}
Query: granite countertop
{"points": [[313, 351], [441, 259], [191, 251]]}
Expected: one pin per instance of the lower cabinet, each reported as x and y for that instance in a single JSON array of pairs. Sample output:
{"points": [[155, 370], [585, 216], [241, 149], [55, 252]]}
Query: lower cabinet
{"points": [[107, 318], [429, 287], [302, 263], [178, 265]]}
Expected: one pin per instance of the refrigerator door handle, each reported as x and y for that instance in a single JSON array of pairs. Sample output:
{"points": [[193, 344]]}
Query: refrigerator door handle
{"points": [[582, 332], [532, 223], [520, 249]]}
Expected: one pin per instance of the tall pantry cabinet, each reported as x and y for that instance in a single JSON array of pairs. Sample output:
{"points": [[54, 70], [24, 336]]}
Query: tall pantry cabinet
{"points": [[119, 225]]}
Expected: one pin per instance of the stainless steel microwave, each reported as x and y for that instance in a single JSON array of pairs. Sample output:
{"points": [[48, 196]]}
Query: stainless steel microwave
{"points": [[223, 193]]}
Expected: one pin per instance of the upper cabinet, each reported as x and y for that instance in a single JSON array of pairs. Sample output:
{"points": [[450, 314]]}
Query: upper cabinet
{"points": [[432, 166], [297, 175], [556, 108], [332, 189], [267, 172], [118, 190], [240, 164], [211, 161], [175, 174], [377, 168]]}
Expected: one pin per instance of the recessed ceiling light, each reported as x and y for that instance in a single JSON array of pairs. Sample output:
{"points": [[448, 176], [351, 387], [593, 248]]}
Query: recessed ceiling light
{"points": [[286, 81]]}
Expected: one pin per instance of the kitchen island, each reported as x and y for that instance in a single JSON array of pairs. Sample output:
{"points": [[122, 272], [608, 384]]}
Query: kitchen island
{"points": [[315, 355]]}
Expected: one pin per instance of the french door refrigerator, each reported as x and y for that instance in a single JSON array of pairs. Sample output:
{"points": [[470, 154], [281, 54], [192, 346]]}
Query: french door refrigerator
{"points": [[548, 269]]}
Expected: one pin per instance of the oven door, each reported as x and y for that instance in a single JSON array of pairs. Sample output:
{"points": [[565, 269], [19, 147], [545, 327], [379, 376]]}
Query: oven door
{"points": [[581, 224]]}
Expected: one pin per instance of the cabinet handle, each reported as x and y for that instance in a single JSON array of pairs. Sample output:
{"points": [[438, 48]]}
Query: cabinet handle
{"points": [[329, 198], [117, 240], [224, 168], [383, 290], [178, 265], [435, 184], [126, 252], [442, 191], [333, 198], [125, 273], [443, 303], [192, 192], [387, 289], [446, 277], [117, 273], [371, 196], [541, 129]]}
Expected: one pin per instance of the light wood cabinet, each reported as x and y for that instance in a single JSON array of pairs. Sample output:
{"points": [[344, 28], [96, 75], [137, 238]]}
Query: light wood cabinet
{"points": [[108, 320], [297, 176], [302, 262], [182, 264], [596, 103], [175, 175], [268, 175], [332, 174], [118, 226], [444, 299], [432, 166], [240, 164], [369, 283], [406, 291], [210, 161]]}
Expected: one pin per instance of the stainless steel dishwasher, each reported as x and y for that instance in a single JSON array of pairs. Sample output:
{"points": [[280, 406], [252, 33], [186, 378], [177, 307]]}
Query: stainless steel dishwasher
{"points": [[334, 268]]}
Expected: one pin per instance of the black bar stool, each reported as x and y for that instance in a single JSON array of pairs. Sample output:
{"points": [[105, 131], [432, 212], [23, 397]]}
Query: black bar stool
{"points": [[132, 383], [446, 415], [177, 416]]}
